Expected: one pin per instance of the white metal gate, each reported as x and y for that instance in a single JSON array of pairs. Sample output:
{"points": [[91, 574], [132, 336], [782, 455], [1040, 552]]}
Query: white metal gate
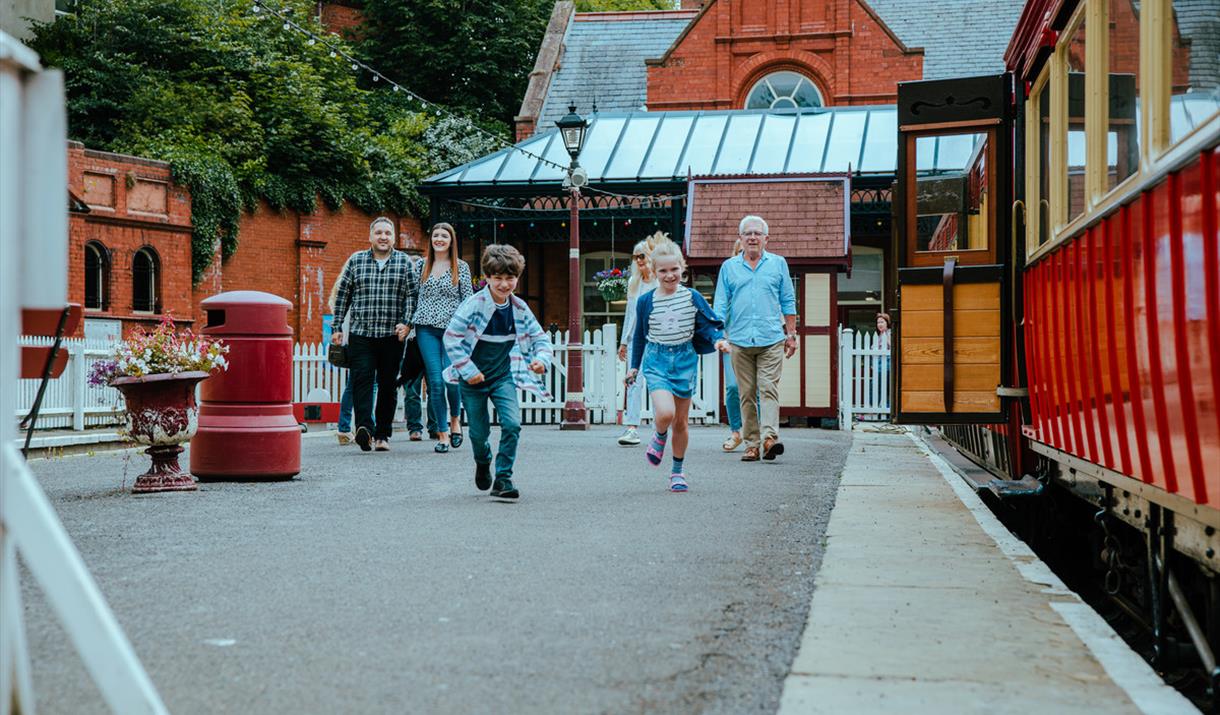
{"points": [[864, 377]]}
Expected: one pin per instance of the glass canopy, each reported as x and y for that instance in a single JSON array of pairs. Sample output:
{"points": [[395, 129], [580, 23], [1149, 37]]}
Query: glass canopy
{"points": [[669, 146]]}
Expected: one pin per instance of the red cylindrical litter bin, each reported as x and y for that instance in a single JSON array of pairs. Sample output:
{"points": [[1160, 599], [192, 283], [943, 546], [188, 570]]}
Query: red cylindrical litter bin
{"points": [[246, 427]]}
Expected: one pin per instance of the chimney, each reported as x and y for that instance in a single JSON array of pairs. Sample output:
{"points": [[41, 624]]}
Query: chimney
{"points": [[692, 4]]}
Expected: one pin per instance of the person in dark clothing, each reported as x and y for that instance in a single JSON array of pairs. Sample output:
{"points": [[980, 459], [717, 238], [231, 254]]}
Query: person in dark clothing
{"points": [[379, 289]]}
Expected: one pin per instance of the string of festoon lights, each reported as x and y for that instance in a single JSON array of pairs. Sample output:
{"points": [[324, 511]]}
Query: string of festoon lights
{"points": [[284, 16]]}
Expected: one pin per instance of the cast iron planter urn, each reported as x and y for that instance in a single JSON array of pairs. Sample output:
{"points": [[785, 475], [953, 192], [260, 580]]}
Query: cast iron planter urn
{"points": [[162, 413]]}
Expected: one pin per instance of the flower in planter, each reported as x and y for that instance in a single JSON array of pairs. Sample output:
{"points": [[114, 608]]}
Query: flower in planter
{"points": [[612, 284], [162, 350], [479, 283]]}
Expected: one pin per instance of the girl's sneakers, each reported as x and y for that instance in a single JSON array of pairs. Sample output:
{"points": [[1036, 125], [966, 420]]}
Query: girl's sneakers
{"points": [[677, 483]]}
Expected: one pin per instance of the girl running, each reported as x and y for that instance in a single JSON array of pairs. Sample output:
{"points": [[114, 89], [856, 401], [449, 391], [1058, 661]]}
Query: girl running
{"points": [[674, 325]]}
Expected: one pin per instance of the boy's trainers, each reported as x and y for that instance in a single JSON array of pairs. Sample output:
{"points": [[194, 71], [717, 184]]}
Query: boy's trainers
{"points": [[503, 490], [629, 438], [482, 476]]}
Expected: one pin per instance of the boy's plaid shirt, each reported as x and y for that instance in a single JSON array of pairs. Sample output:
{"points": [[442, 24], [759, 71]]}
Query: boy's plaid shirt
{"points": [[379, 297]]}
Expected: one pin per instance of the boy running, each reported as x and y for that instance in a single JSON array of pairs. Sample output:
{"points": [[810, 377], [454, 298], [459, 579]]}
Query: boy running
{"points": [[496, 345]]}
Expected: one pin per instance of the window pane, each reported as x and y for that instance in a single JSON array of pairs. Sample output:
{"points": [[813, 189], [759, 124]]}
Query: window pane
{"points": [[1123, 148], [951, 206], [773, 144], [1076, 122], [738, 144], [807, 95], [1044, 164], [1194, 65], [93, 278]]}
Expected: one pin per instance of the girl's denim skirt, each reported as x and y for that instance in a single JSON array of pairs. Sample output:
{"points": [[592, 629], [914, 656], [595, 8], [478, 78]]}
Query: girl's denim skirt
{"points": [[672, 368]]}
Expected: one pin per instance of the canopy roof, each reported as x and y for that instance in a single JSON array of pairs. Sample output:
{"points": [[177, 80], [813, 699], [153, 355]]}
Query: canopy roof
{"points": [[666, 147]]}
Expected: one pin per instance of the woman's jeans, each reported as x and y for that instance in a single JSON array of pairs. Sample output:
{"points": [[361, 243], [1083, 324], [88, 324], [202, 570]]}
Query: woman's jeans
{"points": [[732, 398], [431, 343], [732, 403], [632, 416]]}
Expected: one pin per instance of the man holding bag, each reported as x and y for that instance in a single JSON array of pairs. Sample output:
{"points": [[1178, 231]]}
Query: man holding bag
{"points": [[379, 289]]}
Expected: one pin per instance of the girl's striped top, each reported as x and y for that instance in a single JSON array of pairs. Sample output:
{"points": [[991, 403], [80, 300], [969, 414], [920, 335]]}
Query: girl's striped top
{"points": [[673, 318]]}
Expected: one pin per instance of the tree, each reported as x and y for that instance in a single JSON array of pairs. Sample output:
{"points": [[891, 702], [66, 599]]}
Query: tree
{"points": [[243, 110], [467, 54]]}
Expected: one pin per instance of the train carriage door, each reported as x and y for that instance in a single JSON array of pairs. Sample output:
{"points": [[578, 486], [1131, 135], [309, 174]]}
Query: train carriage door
{"points": [[952, 205]]}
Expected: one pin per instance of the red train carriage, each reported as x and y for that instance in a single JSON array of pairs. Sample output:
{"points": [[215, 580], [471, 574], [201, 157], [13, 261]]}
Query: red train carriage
{"points": [[1058, 285]]}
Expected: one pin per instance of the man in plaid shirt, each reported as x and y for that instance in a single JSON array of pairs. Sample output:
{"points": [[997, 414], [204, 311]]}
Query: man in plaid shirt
{"points": [[379, 288]]}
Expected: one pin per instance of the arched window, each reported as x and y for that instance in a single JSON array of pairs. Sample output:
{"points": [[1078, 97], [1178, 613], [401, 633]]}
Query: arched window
{"points": [[783, 90], [97, 276], [145, 272]]}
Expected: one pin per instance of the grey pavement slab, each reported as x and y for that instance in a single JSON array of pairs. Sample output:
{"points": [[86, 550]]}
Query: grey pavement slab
{"points": [[918, 609], [387, 583]]}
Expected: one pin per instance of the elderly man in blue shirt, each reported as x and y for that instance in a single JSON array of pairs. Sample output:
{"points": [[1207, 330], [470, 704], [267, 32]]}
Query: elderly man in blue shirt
{"points": [[756, 301]]}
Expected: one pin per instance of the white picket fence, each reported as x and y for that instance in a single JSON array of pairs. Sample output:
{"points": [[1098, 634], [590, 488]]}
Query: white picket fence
{"points": [[71, 403], [316, 380], [864, 377]]}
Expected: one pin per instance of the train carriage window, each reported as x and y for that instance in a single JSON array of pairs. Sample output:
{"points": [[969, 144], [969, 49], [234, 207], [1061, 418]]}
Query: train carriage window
{"points": [[1194, 65], [1122, 138], [952, 187], [1044, 196], [1077, 182]]}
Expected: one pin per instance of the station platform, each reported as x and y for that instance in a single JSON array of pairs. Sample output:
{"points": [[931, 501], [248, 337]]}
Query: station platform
{"points": [[926, 603]]}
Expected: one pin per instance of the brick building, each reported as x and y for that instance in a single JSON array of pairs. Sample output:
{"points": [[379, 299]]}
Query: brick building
{"points": [[702, 114], [130, 249]]}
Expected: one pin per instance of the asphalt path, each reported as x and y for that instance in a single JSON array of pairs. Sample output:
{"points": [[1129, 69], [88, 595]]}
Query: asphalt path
{"points": [[387, 583]]}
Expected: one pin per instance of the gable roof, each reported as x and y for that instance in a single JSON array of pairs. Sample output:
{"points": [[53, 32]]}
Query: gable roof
{"points": [[604, 54], [603, 61], [960, 38]]}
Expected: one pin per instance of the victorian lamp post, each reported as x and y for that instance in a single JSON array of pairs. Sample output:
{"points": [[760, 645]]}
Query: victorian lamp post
{"points": [[572, 130]]}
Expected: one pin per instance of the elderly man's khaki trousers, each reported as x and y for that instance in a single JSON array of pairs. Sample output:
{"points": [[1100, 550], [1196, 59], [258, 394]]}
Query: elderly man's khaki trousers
{"points": [[758, 369]]}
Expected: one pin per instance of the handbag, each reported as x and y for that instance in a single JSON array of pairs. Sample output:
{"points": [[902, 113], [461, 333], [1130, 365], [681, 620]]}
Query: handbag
{"points": [[337, 355], [412, 364]]}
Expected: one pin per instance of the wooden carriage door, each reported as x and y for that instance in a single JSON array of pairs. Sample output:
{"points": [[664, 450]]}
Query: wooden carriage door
{"points": [[952, 205]]}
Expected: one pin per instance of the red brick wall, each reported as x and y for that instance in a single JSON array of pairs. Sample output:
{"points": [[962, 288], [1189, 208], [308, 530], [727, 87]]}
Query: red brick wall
{"points": [[839, 44], [133, 204], [806, 218], [298, 257], [340, 18]]}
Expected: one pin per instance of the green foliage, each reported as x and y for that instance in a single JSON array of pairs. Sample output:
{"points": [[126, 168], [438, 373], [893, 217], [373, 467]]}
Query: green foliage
{"points": [[243, 110], [470, 54], [611, 5]]}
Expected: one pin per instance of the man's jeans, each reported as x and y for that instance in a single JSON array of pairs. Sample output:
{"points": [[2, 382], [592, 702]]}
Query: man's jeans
{"points": [[758, 369], [345, 405], [503, 394], [375, 360]]}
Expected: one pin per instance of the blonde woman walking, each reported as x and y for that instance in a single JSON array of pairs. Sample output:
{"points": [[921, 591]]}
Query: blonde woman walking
{"points": [[642, 280]]}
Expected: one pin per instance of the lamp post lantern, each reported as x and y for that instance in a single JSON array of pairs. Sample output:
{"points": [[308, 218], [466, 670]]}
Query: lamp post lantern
{"points": [[572, 129]]}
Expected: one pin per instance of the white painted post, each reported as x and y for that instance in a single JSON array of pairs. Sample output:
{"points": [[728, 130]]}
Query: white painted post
{"points": [[847, 367], [80, 375], [33, 273]]}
